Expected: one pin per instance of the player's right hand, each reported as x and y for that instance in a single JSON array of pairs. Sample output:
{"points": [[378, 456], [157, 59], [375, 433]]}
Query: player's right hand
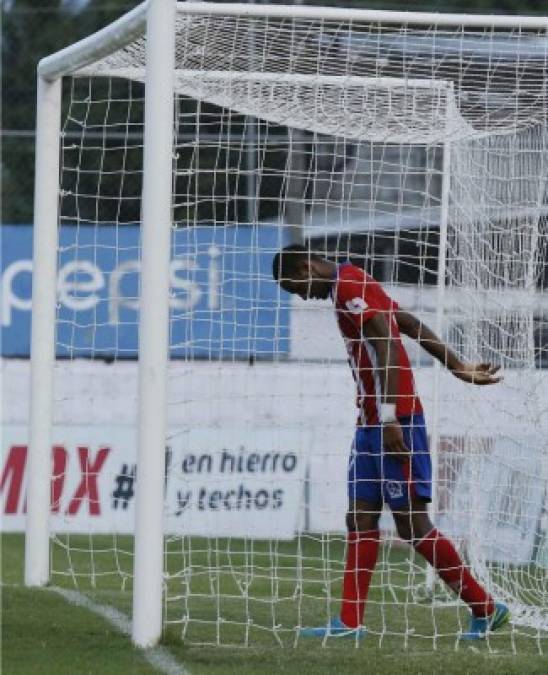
{"points": [[478, 373], [393, 443]]}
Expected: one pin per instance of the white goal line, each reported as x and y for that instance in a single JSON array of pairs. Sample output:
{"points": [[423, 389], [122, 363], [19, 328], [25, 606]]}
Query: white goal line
{"points": [[159, 657]]}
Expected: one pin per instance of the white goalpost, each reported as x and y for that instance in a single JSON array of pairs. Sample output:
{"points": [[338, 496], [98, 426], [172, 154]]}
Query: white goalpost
{"points": [[177, 150]]}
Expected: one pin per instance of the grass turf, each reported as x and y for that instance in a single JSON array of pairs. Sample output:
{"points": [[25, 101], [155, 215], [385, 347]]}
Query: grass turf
{"points": [[238, 581]]}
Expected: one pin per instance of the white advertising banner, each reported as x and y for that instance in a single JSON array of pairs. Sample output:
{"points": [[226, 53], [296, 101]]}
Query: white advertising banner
{"points": [[229, 483], [262, 451]]}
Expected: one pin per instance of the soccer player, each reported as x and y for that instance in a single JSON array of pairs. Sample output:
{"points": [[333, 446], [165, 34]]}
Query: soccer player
{"points": [[389, 462]]}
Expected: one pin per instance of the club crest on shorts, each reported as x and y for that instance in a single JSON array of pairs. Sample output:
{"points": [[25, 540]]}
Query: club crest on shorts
{"points": [[395, 489], [356, 305]]}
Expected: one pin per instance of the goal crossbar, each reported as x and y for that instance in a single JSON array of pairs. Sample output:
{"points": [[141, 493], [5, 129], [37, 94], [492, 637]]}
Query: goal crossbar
{"points": [[372, 15], [115, 36], [132, 25]]}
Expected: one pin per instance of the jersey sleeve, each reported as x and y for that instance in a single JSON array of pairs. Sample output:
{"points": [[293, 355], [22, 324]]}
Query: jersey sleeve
{"points": [[362, 298]]}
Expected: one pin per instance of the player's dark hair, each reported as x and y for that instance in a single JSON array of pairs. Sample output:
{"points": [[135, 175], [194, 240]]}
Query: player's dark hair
{"points": [[287, 261]]}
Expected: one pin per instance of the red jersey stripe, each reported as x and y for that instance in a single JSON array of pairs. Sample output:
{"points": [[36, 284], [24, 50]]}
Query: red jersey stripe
{"points": [[358, 298]]}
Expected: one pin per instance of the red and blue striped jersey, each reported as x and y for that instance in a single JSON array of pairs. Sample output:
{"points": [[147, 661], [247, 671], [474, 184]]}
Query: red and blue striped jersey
{"points": [[358, 298]]}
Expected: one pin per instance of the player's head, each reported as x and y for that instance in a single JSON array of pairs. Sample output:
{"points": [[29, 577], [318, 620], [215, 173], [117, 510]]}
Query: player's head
{"points": [[300, 271]]}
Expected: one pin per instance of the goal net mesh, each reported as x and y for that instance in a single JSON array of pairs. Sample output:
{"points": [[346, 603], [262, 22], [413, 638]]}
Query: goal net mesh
{"points": [[365, 140]]}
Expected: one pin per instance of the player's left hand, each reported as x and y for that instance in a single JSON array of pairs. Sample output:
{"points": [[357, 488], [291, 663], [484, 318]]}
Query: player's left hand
{"points": [[478, 373], [393, 442]]}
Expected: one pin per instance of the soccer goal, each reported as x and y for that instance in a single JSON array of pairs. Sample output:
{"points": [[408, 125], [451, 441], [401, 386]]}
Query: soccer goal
{"points": [[200, 418]]}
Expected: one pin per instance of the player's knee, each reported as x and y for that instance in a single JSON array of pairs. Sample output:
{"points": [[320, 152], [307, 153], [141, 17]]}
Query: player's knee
{"points": [[361, 521], [412, 525], [404, 525], [404, 528]]}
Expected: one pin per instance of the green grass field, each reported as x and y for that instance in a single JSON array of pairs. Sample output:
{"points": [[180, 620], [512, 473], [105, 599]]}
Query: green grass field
{"points": [[261, 593]]}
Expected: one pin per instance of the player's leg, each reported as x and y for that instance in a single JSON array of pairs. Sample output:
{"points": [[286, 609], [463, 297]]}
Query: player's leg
{"points": [[362, 521], [414, 525], [365, 503], [407, 490]]}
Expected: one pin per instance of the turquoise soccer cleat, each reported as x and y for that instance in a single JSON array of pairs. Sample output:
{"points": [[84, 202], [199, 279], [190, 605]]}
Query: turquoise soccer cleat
{"points": [[480, 626], [335, 628]]}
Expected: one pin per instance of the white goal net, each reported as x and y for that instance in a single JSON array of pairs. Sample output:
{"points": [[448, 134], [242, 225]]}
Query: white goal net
{"points": [[419, 152]]}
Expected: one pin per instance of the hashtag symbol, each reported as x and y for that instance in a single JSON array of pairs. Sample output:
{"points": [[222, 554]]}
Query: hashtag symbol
{"points": [[124, 491]]}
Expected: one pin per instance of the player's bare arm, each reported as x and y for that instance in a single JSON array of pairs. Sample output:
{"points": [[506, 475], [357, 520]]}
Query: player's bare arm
{"points": [[377, 332], [473, 373]]}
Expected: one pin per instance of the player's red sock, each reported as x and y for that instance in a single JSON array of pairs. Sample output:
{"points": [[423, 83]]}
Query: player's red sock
{"points": [[442, 555], [361, 558]]}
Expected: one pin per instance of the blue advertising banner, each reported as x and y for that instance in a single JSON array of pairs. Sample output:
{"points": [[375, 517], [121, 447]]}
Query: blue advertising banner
{"points": [[224, 303]]}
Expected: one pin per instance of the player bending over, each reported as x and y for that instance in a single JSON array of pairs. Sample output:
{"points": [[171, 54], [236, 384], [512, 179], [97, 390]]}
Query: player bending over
{"points": [[389, 461]]}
